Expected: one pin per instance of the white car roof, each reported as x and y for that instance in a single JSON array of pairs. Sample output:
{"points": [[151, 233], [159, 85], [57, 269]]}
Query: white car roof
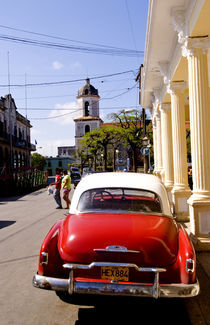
{"points": [[127, 180]]}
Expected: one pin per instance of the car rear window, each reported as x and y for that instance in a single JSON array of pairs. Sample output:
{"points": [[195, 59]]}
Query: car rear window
{"points": [[119, 199]]}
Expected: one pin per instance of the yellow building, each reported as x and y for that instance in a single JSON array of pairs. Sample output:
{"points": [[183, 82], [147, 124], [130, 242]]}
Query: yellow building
{"points": [[175, 81]]}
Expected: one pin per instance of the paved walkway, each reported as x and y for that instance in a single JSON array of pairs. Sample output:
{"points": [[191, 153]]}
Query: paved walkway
{"points": [[200, 313]]}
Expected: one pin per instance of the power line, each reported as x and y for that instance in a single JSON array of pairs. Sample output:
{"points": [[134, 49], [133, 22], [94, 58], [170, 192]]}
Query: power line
{"points": [[61, 115], [52, 117], [61, 38], [66, 81], [46, 118], [66, 47], [76, 109], [125, 92], [130, 23], [73, 109], [66, 95]]}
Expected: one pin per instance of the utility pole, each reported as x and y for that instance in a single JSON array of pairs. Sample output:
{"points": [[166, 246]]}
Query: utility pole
{"points": [[145, 142], [145, 139], [27, 155], [144, 123], [10, 120]]}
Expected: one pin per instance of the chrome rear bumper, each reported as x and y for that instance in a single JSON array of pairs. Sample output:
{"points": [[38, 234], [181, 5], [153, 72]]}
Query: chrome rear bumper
{"points": [[93, 287], [116, 289]]}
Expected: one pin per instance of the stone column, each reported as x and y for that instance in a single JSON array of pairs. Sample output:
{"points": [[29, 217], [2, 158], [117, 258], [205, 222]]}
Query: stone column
{"points": [[199, 202], [167, 147], [155, 143], [181, 191], [159, 146]]}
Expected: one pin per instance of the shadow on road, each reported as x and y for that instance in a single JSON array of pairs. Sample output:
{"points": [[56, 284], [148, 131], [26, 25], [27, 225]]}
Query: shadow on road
{"points": [[4, 200], [142, 312], [6, 223], [38, 192]]}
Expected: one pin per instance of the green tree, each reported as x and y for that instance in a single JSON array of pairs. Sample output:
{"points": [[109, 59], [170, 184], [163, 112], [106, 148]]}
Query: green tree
{"points": [[131, 129], [38, 161], [82, 156], [91, 145], [97, 142]]}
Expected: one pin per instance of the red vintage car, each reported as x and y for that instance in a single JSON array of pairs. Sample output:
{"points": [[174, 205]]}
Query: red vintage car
{"points": [[119, 239]]}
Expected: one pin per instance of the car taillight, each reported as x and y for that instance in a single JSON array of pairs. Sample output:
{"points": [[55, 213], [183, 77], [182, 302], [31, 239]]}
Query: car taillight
{"points": [[44, 258], [190, 265]]}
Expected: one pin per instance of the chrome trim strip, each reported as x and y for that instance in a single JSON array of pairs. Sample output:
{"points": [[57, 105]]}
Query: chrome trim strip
{"points": [[115, 248], [100, 264], [116, 289], [160, 214]]}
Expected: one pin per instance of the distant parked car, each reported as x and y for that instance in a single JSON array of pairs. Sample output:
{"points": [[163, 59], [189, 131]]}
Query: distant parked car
{"points": [[86, 171], [74, 170], [75, 178], [120, 239]]}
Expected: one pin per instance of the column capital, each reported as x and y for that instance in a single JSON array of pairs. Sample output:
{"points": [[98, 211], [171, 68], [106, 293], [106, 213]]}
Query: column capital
{"points": [[165, 107], [157, 115], [176, 86], [155, 105], [192, 43], [154, 123]]}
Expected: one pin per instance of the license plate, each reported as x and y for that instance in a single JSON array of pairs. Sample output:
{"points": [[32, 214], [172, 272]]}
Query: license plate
{"points": [[115, 273]]}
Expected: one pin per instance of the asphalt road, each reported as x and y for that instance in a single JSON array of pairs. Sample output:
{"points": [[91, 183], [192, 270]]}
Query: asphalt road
{"points": [[24, 222]]}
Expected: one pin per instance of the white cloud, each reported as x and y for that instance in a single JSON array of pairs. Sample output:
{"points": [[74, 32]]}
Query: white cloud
{"points": [[57, 65], [50, 147], [35, 132], [63, 115], [76, 65]]}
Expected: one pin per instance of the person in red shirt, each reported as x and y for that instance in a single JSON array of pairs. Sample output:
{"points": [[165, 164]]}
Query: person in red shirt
{"points": [[57, 192]]}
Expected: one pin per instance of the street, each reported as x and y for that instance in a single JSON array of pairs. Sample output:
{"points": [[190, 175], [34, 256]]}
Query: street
{"points": [[24, 222]]}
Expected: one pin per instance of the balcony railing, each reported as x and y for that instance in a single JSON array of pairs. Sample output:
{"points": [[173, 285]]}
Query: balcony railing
{"points": [[16, 141]]}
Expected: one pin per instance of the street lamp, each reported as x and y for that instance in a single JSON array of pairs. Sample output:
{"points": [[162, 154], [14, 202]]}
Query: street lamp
{"points": [[102, 156], [149, 146], [145, 141], [116, 158], [146, 144]]}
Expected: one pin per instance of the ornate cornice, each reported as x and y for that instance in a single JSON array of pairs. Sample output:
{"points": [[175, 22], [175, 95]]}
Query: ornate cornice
{"points": [[188, 44], [157, 94], [164, 70], [179, 22]]}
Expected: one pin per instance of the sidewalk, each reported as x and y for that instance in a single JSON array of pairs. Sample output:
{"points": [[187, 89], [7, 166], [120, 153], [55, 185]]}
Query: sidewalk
{"points": [[200, 313]]}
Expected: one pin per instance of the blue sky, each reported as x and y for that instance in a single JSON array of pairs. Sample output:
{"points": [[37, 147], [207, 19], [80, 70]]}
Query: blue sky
{"points": [[116, 23]]}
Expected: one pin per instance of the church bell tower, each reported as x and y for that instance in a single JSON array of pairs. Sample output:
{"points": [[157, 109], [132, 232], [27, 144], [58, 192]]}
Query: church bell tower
{"points": [[88, 109]]}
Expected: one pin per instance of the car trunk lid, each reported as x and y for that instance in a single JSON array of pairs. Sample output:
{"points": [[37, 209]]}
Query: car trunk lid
{"points": [[146, 240]]}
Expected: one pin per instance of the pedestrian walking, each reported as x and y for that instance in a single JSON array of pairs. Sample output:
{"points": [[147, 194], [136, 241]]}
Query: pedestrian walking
{"points": [[57, 192], [66, 186]]}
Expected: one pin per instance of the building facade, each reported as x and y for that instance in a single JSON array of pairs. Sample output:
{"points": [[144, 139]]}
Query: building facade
{"points": [[66, 151], [15, 146], [88, 111], [174, 83], [52, 163]]}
